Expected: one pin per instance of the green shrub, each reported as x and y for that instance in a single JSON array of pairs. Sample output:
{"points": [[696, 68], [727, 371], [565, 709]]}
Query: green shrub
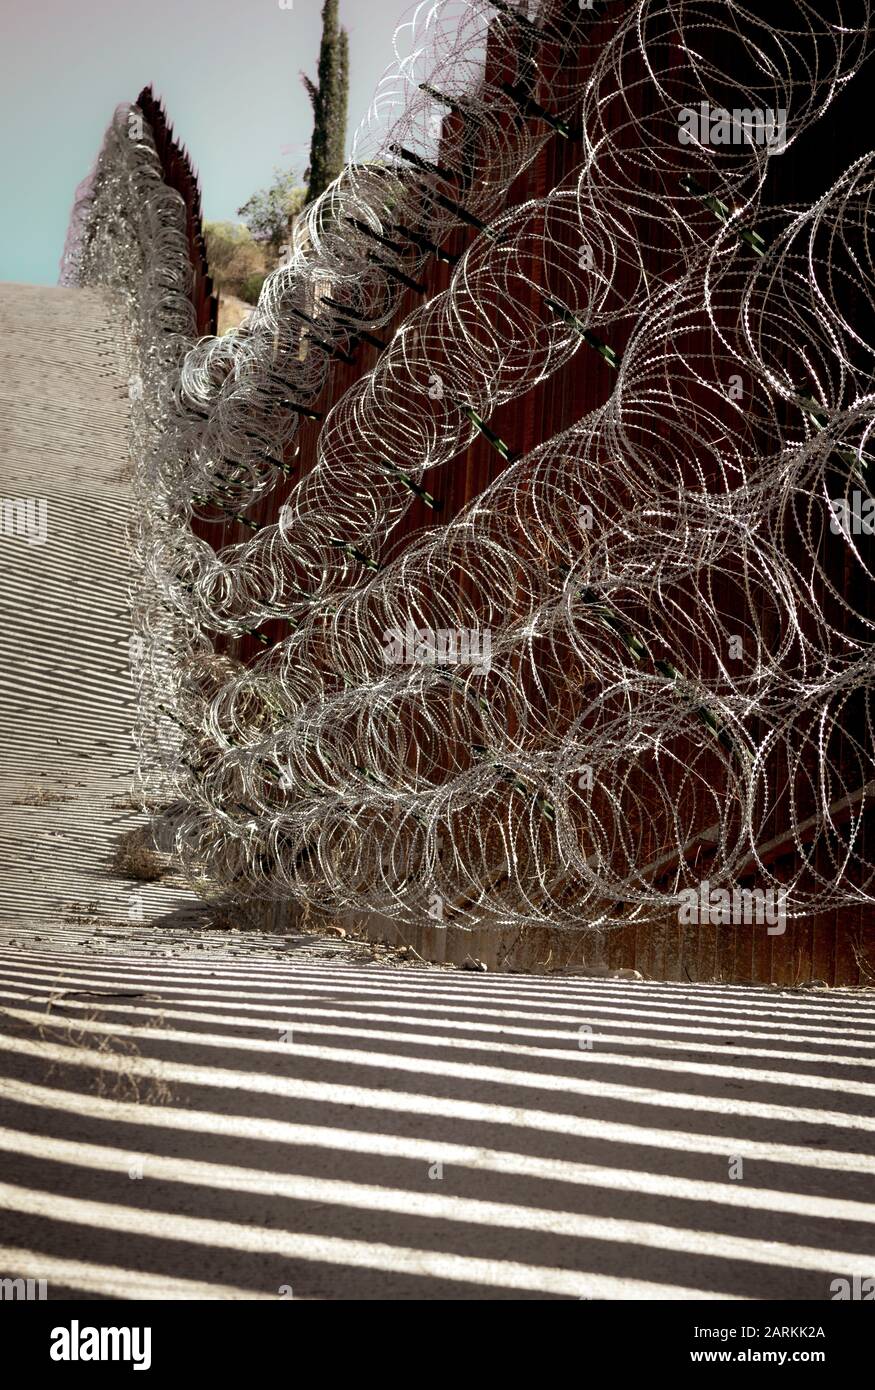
{"points": [[234, 257], [251, 288]]}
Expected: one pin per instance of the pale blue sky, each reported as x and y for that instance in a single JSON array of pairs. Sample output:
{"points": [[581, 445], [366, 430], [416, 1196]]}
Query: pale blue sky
{"points": [[227, 71]]}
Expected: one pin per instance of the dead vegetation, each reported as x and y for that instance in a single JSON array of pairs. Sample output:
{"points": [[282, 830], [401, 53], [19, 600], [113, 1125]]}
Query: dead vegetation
{"points": [[81, 914], [41, 796], [114, 1077], [136, 857]]}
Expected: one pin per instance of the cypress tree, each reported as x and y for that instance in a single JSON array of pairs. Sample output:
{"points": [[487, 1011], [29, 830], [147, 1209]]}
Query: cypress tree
{"points": [[329, 100], [338, 134]]}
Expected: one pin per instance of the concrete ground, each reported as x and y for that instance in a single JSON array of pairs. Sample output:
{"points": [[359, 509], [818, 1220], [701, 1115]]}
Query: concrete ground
{"points": [[294, 1123]]}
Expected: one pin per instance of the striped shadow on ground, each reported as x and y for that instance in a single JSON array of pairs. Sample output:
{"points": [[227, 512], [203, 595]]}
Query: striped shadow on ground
{"points": [[361, 1132]]}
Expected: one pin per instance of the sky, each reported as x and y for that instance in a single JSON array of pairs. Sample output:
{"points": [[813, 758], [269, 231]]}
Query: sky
{"points": [[227, 71]]}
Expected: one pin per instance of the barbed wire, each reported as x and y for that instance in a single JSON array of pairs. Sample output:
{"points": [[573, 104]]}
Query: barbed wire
{"points": [[657, 626]]}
